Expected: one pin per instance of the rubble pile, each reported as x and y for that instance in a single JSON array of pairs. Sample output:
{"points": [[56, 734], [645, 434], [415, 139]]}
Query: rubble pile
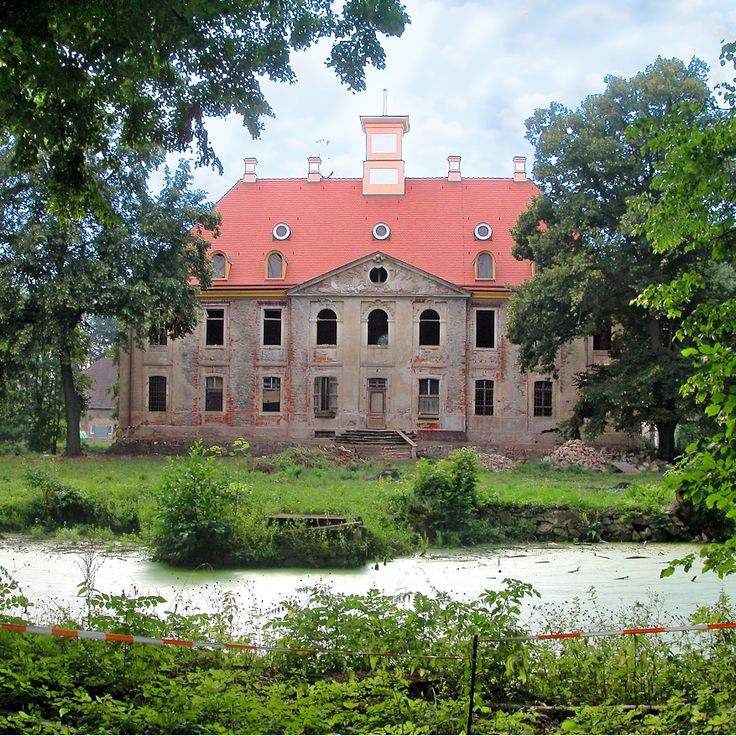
{"points": [[341, 455], [578, 454], [495, 462]]}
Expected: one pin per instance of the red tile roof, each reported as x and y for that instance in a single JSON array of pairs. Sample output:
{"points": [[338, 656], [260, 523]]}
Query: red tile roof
{"points": [[103, 373], [331, 223]]}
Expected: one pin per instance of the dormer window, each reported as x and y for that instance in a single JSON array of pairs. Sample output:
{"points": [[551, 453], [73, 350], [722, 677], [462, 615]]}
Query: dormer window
{"points": [[485, 267], [220, 265], [275, 266], [381, 231], [483, 231], [281, 231]]}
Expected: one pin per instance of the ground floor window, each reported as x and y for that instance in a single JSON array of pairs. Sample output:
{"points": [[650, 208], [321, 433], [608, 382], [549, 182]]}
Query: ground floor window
{"points": [[542, 398], [325, 396], [213, 393], [429, 397], [484, 398], [157, 393], [271, 394]]}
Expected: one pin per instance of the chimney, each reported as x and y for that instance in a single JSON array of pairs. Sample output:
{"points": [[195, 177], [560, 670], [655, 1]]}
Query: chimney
{"points": [[250, 171], [453, 168], [519, 168], [313, 173]]}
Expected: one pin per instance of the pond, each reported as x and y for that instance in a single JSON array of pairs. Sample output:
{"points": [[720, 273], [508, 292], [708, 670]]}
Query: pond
{"points": [[622, 575]]}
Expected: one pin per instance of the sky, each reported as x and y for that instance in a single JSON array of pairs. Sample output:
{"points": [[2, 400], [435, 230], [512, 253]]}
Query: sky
{"points": [[468, 74]]}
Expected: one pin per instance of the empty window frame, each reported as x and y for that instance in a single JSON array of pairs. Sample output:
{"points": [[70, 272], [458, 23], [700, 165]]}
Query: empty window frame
{"points": [[213, 393], [215, 327], [275, 266], [484, 398], [378, 327], [157, 393], [485, 328], [271, 394], [485, 267], [602, 340], [429, 397], [157, 336], [542, 398], [325, 396], [272, 327], [429, 327], [326, 327]]}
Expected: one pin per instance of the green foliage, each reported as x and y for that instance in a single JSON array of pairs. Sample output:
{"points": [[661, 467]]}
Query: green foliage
{"points": [[194, 520], [592, 164], [59, 504]]}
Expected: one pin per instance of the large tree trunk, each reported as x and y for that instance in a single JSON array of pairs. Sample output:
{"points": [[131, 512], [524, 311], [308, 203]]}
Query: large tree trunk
{"points": [[72, 405], [666, 447]]}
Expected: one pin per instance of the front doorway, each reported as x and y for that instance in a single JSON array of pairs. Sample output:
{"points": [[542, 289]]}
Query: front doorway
{"points": [[376, 403]]}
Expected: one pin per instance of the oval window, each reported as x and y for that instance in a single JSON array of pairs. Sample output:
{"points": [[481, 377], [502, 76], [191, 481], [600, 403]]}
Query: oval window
{"points": [[381, 231], [378, 275], [282, 231], [483, 231]]}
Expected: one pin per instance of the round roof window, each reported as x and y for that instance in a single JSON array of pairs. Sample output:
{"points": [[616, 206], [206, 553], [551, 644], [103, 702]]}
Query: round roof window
{"points": [[282, 231], [483, 231], [378, 275], [381, 231]]}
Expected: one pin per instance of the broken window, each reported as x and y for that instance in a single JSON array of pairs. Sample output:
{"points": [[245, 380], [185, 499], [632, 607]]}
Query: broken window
{"points": [[215, 328], [429, 327], [602, 340], [157, 393], [326, 327], [272, 327], [325, 396], [485, 328], [484, 398], [213, 393], [542, 398], [429, 397], [378, 327], [271, 394]]}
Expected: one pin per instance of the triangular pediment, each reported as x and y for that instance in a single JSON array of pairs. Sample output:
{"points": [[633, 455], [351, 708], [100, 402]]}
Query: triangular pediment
{"points": [[354, 278]]}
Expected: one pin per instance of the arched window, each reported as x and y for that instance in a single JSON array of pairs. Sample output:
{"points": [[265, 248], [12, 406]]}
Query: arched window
{"points": [[429, 327], [218, 266], [378, 327], [485, 266], [275, 266], [326, 327]]}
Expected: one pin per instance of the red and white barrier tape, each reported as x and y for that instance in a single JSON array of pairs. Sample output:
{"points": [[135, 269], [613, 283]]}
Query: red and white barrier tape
{"points": [[133, 639], [616, 632]]}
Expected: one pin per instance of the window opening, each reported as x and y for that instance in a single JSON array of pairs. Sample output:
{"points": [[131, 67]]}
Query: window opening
{"points": [[543, 398], [157, 336], [485, 328], [157, 393], [377, 384], [429, 327], [213, 393], [275, 266], [326, 327], [271, 394], [381, 231], [215, 332], [325, 395], [483, 231], [484, 398], [378, 275], [218, 266], [378, 327], [429, 397], [484, 266], [602, 341], [272, 327]]}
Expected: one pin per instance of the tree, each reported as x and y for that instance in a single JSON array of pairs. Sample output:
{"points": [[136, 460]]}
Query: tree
{"points": [[56, 272], [591, 164], [81, 77], [694, 210]]}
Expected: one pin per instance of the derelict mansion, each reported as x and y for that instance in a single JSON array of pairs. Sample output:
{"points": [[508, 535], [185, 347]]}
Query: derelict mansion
{"points": [[374, 302]]}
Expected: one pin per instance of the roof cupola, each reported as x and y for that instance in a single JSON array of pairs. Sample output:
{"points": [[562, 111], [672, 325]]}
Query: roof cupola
{"points": [[383, 168]]}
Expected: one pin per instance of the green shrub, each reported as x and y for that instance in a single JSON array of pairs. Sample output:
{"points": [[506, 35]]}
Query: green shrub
{"points": [[195, 509], [57, 504]]}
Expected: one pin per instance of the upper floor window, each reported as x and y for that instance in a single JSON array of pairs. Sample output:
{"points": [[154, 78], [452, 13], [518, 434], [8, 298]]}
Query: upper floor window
{"points": [[484, 398], [213, 393], [275, 266], [542, 398], [272, 327], [378, 327], [483, 231], [215, 327], [271, 394], [326, 327], [485, 266], [429, 397], [157, 336], [485, 328], [220, 265], [602, 340], [429, 327], [157, 393]]}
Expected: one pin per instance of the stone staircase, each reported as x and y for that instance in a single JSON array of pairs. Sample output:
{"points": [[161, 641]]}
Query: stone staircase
{"points": [[388, 444]]}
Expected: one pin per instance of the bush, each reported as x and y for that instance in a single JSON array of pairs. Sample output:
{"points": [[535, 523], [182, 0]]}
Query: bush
{"points": [[57, 504], [194, 519]]}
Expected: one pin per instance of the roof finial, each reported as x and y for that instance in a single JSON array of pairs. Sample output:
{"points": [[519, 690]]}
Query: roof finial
{"points": [[385, 103]]}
